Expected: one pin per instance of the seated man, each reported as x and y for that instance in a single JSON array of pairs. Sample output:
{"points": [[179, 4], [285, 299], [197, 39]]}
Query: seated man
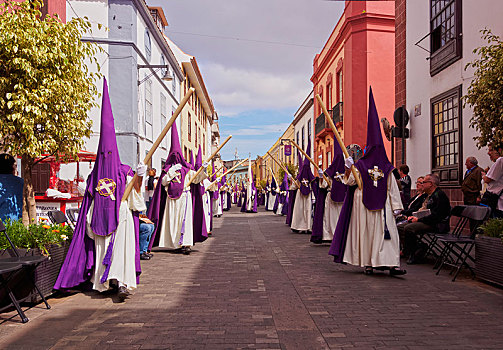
{"points": [[415, 203], [439, 206], [146, 230]]}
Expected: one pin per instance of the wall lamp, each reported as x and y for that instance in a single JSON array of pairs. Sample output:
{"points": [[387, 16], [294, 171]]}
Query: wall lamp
{"points": [[166, 77]]}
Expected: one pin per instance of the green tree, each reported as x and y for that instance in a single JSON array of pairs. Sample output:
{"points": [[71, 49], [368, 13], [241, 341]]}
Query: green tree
{"points": [[46, 88], [292, 169], [485, 93]]}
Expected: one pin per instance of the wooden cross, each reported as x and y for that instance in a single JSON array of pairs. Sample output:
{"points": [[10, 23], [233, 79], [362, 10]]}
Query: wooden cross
{"points": [[375, 174]]}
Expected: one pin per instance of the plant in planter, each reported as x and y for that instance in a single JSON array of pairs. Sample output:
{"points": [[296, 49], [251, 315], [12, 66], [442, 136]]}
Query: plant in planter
{"points": [[489, 252], [37, 238]]}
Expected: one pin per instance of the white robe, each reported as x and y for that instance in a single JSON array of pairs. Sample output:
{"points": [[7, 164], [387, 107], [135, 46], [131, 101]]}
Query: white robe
{"points": [[271, 200], [302, 219], [330, 218], [207, 205], [280, 205], [178, 215], [330, 215], [223, 195], [250, 198], [217, 205], [365, 245], [122, 268]]}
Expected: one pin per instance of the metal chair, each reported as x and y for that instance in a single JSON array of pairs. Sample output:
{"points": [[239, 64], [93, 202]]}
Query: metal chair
{"points": [[30, 263], [57, 217], [431, 238], [457, 248], [7, 271], [72, 215]]}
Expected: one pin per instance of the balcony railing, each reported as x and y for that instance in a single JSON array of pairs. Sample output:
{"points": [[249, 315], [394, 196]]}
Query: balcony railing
{"points": [[337, 113], [320, 124]]}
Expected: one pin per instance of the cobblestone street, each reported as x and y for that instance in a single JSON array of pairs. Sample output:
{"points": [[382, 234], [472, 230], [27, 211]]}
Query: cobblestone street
{"points": [[255, 284]]}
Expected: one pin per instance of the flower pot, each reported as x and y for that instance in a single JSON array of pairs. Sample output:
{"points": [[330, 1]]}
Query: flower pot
{"points": [[47, 272], [489, 259], [45, 275]]}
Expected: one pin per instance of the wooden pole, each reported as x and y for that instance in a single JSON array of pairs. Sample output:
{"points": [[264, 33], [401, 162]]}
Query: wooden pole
{"points": [[216, 171], [210, 158], [284, 169], [274, 177], [159, 139], [312, 162], [339, 139], [234, 167]]}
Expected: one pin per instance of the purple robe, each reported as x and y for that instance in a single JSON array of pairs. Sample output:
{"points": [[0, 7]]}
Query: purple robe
{"points": [[291, 202], [175, 189], [319, 211], [374, 197], [108, 169], [197, 191]]}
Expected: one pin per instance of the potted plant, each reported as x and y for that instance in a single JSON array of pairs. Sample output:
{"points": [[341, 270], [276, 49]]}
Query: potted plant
{"points": [[51, 240], [489, 252]]}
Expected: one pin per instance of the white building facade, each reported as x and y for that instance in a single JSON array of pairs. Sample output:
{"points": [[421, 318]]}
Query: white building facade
{"points": [[142, 102], [303, 126], [440, 39]]}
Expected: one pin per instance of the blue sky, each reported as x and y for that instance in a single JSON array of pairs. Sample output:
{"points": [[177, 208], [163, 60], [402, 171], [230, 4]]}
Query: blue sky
{"points": [[253, 131], [256, 59]]}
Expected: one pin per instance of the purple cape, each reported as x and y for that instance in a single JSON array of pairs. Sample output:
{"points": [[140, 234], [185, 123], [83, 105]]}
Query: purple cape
{"points": [[291, 202], [305, 176], [319, 211], [282, 198], [341, 230], [254, 189], [374, 158], [338, 191], [243, 206], [197, 191]]}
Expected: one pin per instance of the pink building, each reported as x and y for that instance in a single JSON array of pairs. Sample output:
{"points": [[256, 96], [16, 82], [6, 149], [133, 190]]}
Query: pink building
{"points": [[359, 53]]}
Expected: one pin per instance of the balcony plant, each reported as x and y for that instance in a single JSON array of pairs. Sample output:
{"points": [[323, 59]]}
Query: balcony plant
{"points": [[489, 252]]}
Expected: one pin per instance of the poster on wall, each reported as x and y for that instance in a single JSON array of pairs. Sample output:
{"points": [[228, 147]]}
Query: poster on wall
{"points": [[44, 208]]}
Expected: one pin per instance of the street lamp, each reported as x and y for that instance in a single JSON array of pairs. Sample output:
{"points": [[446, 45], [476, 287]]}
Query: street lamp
{"points": [[166, 77]]}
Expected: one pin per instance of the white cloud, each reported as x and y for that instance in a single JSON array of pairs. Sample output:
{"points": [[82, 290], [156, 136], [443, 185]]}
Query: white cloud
{"points": [[261, 130], [246, 146], [235, 90]]}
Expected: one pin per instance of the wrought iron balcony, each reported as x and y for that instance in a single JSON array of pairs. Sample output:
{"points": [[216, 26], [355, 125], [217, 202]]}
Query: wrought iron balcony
{"points": [[320, 124], [337, 113]]}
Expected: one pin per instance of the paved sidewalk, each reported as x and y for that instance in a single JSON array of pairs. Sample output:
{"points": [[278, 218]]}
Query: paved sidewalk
{"points": [[257, 285]]}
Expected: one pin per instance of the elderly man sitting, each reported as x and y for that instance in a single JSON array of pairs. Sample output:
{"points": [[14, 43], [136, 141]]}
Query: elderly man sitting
{"points": [[437, 208]]}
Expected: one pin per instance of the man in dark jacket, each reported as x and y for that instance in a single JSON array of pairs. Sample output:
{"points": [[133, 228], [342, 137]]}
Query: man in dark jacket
{"points": [[439, 208], [472, 182]]}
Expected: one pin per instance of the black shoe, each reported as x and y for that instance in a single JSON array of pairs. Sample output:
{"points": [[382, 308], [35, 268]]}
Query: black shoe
{"points": [[413, 260], [394, 271], [122, 293], [369, 270], [150, 254], [186, 250], [144, 256]]}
